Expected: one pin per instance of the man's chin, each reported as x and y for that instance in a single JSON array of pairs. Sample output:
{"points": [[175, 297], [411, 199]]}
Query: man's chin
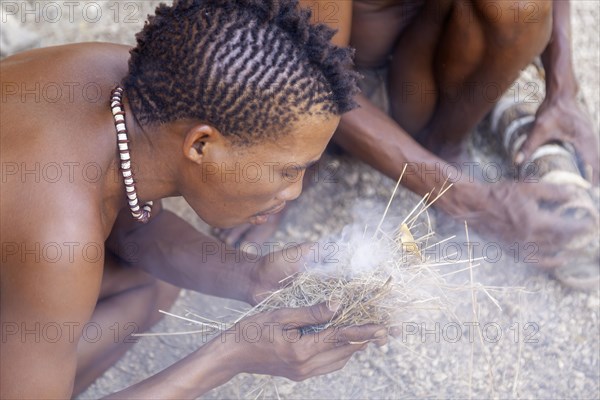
{"points": [[254, 220]]}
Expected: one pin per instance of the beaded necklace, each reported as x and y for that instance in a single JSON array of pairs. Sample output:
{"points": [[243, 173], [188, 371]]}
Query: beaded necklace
{"points": [[118, 111]]}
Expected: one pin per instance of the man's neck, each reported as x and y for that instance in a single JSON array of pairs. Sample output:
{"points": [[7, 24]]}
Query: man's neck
{"points": [[153, 160]]}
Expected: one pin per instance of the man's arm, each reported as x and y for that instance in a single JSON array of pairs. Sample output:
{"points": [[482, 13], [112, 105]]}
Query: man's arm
{"points": [[172, 250], [279, 350], [49, 286], [560, 117], [46, 305], [372, 136], [500, 210]]}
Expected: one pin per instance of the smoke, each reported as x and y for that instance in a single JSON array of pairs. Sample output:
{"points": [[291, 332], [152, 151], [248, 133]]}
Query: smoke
{"points": [[356, 249]]}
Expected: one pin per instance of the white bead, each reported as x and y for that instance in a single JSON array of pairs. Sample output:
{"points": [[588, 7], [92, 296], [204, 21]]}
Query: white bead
{"points": [[123, 146], [121, 127], [128, 181], [133, 202], [125, 156], [119, 118], [122, 136], [126, 174], [126, 165], [129, 189]]}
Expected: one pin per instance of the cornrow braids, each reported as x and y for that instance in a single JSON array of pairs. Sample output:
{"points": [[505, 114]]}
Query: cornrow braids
{"points": [[248, 67]]}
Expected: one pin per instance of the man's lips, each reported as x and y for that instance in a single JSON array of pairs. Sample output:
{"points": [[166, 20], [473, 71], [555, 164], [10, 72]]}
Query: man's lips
{"points": [[272, 210], [263, 217]]}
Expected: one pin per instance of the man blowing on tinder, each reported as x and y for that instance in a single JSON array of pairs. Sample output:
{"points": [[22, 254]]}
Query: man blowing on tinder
{"points": [[210, 84]]}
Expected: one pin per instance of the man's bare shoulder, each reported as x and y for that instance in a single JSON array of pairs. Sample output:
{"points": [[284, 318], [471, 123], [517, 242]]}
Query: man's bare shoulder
{"points": [[52, 178], [51, 87], [75, 60], [60, 78], [56, 131]]}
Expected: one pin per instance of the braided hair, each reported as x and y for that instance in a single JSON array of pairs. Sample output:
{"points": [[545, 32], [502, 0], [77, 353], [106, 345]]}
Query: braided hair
{"points": [[250, 68]]}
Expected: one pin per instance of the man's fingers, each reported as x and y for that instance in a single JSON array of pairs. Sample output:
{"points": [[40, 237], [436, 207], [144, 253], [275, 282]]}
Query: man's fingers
{"points": [[329, 368], [585, 143], [362, 334], [552, 193], [544, 257], [556, 230], [332, 338], [331, 348], [535, 139], [335, 359], [587, 152], [590, 161], [299, 256], [395, 331], [329, 361], [549, 262], [307, 316]]}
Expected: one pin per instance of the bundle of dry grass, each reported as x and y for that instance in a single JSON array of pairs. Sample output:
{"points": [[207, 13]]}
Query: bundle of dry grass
{"points": [[403, 285], [362, 301], [400, 285], [368, 296]]}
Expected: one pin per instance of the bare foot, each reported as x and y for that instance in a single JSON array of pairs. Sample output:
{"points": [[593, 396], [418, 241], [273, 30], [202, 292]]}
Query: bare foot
{"points": [[451, 152], [249, 233], [454, 153]]}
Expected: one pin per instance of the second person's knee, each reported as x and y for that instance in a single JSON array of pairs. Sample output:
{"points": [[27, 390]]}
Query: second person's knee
{"points": [[526, 24]]}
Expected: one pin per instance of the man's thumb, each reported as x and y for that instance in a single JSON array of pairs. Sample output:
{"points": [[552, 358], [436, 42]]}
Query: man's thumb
{"points": [[318, 314], [527, 148]]}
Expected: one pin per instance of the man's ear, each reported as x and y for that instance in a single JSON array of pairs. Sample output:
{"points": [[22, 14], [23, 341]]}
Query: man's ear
{"points": [[196, 141]]}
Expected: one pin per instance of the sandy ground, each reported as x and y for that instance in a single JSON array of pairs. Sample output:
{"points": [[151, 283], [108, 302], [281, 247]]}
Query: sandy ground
{"points": [[541, 342]]}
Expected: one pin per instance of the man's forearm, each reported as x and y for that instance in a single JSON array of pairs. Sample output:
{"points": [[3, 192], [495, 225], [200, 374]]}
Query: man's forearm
{"points": [[174, 251], [372, 136], [557, 60], [189, 378]]}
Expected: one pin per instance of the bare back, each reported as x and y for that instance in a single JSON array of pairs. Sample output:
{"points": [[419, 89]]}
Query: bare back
{"points": [[57, 150]]}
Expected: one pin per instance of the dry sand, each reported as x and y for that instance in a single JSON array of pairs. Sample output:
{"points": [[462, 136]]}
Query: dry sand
{"points": [[550, 343]]}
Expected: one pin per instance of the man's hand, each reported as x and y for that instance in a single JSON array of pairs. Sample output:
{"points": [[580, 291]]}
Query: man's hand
{"points": [[275, 270], [271, 342], [561, 120], [529, 214]]}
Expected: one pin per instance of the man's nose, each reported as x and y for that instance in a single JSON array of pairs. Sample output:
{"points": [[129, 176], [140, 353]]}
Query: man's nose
{"points": [[293, 190]]}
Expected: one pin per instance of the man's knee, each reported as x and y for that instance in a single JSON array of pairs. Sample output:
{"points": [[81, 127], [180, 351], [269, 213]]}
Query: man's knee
{"points": [[512, 23], [165, 296]]}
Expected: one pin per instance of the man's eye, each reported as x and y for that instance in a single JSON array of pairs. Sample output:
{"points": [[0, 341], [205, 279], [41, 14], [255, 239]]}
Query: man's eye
{"points": [[291, 173]]}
